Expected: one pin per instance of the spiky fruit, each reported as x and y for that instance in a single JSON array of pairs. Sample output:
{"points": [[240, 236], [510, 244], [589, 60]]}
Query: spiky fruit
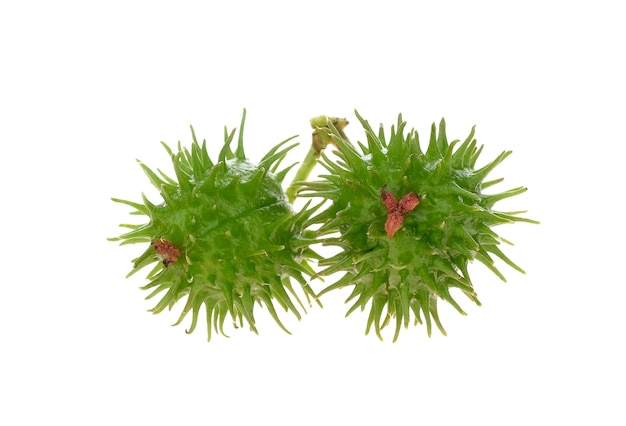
{"points": [[225, 236], [407, 222]]}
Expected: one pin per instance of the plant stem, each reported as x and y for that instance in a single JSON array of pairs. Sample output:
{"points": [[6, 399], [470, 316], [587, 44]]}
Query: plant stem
{"points": [[321, 137]]}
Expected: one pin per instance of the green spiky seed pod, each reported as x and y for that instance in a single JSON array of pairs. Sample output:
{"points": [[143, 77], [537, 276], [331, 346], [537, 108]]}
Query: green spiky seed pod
{"points": [[225, 236], [407, 222]]}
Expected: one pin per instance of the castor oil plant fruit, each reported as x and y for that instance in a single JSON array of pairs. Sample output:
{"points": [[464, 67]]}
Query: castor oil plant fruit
{"points": [[406, 222], [224, 237]]}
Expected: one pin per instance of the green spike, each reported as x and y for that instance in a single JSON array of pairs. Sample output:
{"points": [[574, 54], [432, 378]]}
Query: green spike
{"points": [[432, 151], [154, 179], [226, 153], [140, 207], [487, 184], [280, 176], [268, 161], [442, 140], [183, 179], [495, 250], [471, 160], [374, 144], [490, 200], [480, 174], [240, 154], [398, 148]]}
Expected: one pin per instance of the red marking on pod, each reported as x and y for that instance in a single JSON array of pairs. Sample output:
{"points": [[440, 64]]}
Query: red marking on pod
{"points": [[167, 250], [397, 210]]}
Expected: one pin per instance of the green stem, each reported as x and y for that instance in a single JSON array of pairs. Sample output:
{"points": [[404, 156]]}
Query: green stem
{"points": [[321, 137]]}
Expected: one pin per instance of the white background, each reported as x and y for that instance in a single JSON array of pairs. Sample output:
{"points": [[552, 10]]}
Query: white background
{"points": [[86, 89]]}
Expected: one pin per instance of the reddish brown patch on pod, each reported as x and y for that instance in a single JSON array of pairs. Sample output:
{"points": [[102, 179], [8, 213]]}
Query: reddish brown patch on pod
{"points": [[167, 250], [408, 202], [397, 210]]}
